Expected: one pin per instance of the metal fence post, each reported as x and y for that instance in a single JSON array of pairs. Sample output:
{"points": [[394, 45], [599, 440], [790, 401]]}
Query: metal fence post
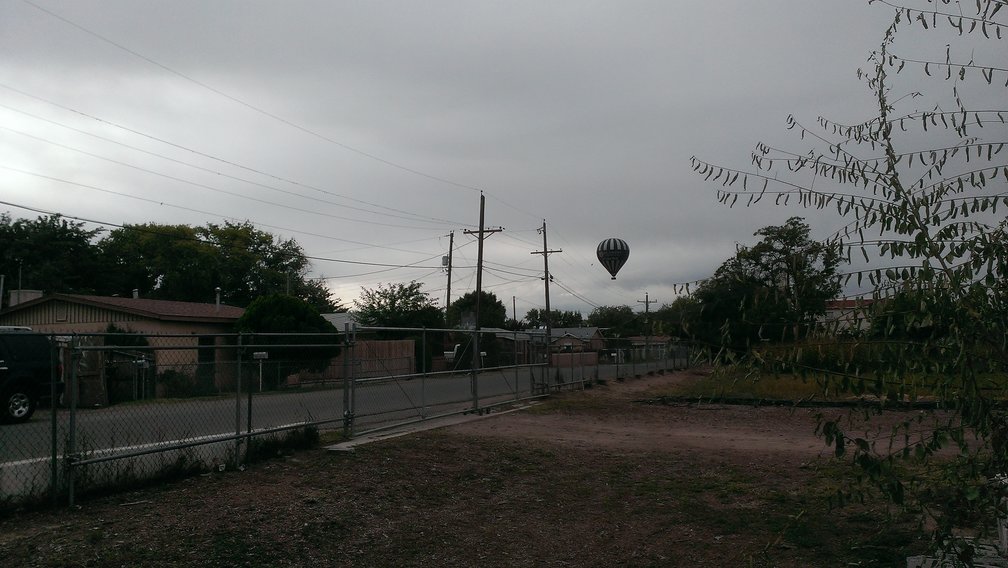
{"points": [[238, 377], [616, 358], [573, 378], [423, 376], [533, 359], [71, 451], [347, 383], [582, 368], [474, 342], [248, 416], [53, 422], [514, 360]]}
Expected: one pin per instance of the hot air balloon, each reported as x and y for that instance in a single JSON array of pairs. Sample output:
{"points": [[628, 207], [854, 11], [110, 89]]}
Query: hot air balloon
{"points": [[613, 254]]}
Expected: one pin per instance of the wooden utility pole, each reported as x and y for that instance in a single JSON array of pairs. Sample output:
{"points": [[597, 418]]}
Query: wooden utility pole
{"points": [[481, 235], [545, 252], [647, 322], [451, 247]]}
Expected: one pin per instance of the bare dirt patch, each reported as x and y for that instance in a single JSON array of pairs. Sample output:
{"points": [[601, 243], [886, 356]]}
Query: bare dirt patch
{"points": [[593, 478], [624, 422]]}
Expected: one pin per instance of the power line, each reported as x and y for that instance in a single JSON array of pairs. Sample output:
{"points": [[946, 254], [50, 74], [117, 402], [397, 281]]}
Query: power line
{"points": [[575, 294], [215, 189], [526, 276], [200, 153], [140, 228], [389, 267], [248, 105], [193, 210], [406, 215]]}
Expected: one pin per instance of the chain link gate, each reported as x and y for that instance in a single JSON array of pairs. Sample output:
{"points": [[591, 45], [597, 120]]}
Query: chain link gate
{"points": [[136, 408]]}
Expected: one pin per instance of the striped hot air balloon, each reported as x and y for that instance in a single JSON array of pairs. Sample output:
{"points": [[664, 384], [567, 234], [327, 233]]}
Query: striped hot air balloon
{"points": [[613, 254]]}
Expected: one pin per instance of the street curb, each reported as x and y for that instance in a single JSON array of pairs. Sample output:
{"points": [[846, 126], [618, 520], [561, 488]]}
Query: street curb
{"points": [[443, 422]]}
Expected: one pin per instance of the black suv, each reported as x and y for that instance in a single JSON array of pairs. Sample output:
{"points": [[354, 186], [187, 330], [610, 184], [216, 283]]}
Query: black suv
{"points": [[27, 367]]}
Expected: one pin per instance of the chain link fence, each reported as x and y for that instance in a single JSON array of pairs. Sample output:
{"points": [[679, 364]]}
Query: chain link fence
{"points": [[124, 409]]}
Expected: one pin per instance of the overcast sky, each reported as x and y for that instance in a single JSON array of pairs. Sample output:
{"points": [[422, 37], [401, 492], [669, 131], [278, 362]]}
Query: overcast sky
{"points": [[366, 130]]}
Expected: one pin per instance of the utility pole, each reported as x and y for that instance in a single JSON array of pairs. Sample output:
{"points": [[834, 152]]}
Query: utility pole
{"points": [[514, 310], [482, 235], [647, 322], [545, 252], [451, 247]]}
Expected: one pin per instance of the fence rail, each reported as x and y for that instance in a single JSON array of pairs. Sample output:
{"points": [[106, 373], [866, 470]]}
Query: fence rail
{"points": [[127, 408]]}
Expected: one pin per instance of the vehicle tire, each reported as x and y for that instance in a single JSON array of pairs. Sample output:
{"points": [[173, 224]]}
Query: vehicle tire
{"points": [[18, 405]]}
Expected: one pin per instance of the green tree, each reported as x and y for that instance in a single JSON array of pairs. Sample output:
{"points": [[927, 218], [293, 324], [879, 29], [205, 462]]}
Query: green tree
{"points": [[773, 290], [50, 254], [620, 321], [919, 185], [403, 305], [287, 328], [569, 319], [252, 263], [558, 318], [179, 262], [905, 316], [536, 318], [167, 262], [676, 319], [397, 305], [493, 312]]}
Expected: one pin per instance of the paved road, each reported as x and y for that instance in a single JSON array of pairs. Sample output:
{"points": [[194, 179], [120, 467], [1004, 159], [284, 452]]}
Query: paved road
{"points": [[166, 421], [26, 450]]}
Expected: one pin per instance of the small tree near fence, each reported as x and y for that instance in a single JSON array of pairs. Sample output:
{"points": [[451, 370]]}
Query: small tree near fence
{"points": [[272, 318], [921, 188]]}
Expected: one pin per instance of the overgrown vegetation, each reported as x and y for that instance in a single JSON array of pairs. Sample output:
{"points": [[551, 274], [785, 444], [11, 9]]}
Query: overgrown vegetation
{"points": [[918, 187]]}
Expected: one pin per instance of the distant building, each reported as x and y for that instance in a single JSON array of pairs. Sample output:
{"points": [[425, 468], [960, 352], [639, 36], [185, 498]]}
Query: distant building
{"points": [[76, 313], [577, 339], [846, 315], [646, 347], [340, 320], [203, 348]]}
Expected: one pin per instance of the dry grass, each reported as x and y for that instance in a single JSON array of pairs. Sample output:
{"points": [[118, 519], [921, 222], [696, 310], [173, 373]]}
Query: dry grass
{"points": [[456, 497]]}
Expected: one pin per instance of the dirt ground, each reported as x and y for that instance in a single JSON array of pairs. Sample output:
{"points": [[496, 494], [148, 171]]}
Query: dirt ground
{"points": [[735, 433], [592, 478]]}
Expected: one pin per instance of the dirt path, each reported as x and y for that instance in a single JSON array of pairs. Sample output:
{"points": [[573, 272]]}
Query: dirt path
{"points": [[593, 478], [602, 422]]}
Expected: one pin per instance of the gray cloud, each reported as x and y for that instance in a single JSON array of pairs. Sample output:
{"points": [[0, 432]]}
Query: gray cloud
{"points": [[581, 113]]}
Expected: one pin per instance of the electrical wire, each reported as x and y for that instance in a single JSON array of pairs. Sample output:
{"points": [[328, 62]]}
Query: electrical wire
{"points": [[194, 210], [399, 215], [216, 189], [150, 231], [250, 106]]}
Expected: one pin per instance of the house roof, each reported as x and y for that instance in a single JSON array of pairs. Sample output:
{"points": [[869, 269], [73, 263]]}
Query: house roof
{"points": [[339, 320], [508, 334], [849, 304], [169, 310], [582, 333]]}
